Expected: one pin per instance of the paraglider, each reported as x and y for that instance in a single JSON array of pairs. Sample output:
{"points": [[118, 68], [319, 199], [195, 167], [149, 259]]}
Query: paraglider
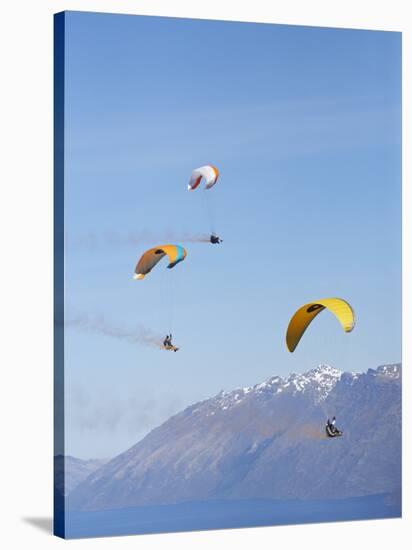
{"points": [[305, 315], [175, 254], [151, 257], [209, 174], [331, 429]]}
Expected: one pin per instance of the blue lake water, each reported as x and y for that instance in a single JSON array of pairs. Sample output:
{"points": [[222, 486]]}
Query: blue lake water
{"points": [[221, 514]]}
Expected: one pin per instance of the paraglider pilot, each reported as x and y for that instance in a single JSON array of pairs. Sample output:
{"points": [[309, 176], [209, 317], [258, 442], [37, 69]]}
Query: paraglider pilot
{"points": [[331, 428], [214, 239], [167, 342]]}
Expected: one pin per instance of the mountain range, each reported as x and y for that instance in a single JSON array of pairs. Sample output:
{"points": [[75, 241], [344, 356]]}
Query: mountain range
{"points": [[266, 441]]}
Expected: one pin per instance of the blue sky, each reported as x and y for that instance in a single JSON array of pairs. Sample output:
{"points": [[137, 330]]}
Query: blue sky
{"points": [[304, 125]]}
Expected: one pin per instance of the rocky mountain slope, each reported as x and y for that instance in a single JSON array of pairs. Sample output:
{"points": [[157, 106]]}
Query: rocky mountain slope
{"points": [[265, 441]]}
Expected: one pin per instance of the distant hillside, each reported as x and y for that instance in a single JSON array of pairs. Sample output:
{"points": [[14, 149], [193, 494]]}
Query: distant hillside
{"points": [[76, 471], [265, 441]]}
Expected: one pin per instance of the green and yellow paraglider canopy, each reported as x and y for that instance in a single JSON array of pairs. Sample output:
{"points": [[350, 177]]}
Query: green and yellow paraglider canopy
{"points": [[151, 257], [305, 315]]}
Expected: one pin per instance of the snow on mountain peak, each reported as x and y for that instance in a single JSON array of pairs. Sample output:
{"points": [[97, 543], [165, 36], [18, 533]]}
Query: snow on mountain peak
{"points": [[316, 383], [322, 380], [319, 381], [389, 371]]}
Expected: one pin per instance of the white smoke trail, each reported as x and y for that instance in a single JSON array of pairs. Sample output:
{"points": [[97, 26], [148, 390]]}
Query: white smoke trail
{"points": [[92, 241], [98, 325]]}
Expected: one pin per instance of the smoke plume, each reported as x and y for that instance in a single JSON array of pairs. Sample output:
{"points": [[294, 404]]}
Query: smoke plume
{"points": [[98, 325], [92, 241]]}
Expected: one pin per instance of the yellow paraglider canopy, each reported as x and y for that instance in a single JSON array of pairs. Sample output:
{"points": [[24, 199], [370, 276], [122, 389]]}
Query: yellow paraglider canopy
{"points": [[305, 315], [175, 253]]}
